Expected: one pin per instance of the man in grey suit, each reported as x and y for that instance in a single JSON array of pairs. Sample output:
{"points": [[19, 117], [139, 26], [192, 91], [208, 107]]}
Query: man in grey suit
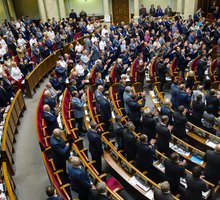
{"points": [[95, 54], [77, 105], [98, 97], [126, 97], [87, 43]]}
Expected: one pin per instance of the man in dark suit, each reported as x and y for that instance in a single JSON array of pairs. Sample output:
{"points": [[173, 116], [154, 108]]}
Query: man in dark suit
{"points": [[135, 109], [50, 119], [98, 95], [4, 97], [105, 111], [181, 61], [7, 85], [149, 124], [73, 15], [120, 69], [51, 193], [49, 101], [143, 11], [100, 193], [179, 122], [79, 179], [60, 149], [162, 70], [212, 159], [144, 155], [174, 92], [95, 146], [183, 96], [129, 141], [121, 90], [164, 192], [213, 100], [201, 68], [195, 184], [174, 169], [163, 135]]}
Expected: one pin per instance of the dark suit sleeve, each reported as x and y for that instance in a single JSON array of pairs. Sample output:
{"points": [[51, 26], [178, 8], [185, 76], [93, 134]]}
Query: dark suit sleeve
{"points": [[84, 179], [61, 151], [98, 143]]}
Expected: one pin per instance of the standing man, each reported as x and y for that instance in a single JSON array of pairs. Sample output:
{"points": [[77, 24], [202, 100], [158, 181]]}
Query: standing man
{"points": [[95, 146], [143, 11], [78, 108], [79, 179], [212, 159], [163, 135], [60, 149]]}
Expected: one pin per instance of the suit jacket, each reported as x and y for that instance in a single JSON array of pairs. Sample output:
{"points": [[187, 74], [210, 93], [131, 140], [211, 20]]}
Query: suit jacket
{"points": [[144, 156], [79, 179], [173, 172], [4, 97], [213, 100], [61, 151], [95, 53], [194, 188], [179, 124], [202, 66], [161, 70], [129, 143], [165, 110], [77, 105], [99, 81], [51, 122], [121, 90], [105, 109], [119, 71], [183, 99], [158, 195], [8, 87], [149, 124], [126, 98], [212, 171], [95, 143], [135, 109], [140, 73], [98, 97], [164, 137], [174, 92], [49, 101]]}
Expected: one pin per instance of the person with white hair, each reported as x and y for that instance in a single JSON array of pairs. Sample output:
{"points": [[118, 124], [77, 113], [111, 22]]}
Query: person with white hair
{"points": [[164, 192], [100, 193]]}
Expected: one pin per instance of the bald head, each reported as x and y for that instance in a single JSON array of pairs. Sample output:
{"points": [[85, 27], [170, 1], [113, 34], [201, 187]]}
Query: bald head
{"points": [[74, 161], [47, 93], [57, 132], [100, 88], [46, 108]]}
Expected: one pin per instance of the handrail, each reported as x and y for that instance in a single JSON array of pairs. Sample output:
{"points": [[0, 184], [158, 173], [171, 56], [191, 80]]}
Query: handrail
{"points": [[8, 183], [11, 121]]}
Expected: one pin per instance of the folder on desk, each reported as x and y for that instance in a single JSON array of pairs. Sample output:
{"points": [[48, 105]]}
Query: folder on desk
{"points": [[196, 159]]}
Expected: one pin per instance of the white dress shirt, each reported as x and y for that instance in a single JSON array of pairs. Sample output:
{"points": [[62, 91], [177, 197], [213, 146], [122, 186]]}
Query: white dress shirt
{"points": [[80, 70], [102, 45], [16, 73]]}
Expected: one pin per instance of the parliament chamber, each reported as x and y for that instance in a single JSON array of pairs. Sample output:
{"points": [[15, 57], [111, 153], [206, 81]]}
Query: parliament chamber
{"points": [[106, 99]]}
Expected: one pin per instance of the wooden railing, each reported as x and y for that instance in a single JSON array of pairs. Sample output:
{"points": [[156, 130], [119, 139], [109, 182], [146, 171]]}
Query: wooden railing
{"points": [[10, 129]]}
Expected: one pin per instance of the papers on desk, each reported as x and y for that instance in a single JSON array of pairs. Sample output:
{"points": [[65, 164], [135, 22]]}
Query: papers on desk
{"points": [[179, 150], [152, 94], [168, 79], [210, 144], [113, 115], [155, 101], [86, 112], [205, 195], [149, 193], [107, 79], [159, 166], [87, 119], [2, 196], [159, 108], [196, 159]]}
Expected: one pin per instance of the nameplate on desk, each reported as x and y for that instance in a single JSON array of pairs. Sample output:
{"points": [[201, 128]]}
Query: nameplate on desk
{"points": [[150, 194], [210, 144], [86, 112], [159, 166], [133, 181], [87, 119], [168, 79], [180, 151]]}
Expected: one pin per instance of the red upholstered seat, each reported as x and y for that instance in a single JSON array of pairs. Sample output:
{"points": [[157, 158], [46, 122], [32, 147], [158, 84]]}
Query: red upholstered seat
{"points": [[134, 70], [194, 64], [112, 76], [113, 184]]}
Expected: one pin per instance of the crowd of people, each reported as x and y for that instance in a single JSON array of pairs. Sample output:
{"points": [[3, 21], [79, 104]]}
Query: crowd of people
{"points": [[154, 35], [162, 37]]}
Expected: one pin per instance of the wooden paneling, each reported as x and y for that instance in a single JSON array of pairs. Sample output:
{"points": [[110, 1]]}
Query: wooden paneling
{"points": [[120, 11]]}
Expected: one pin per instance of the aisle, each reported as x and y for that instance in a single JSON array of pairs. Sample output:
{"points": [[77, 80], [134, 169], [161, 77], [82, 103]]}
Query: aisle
{"points": [[30, 175]]}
